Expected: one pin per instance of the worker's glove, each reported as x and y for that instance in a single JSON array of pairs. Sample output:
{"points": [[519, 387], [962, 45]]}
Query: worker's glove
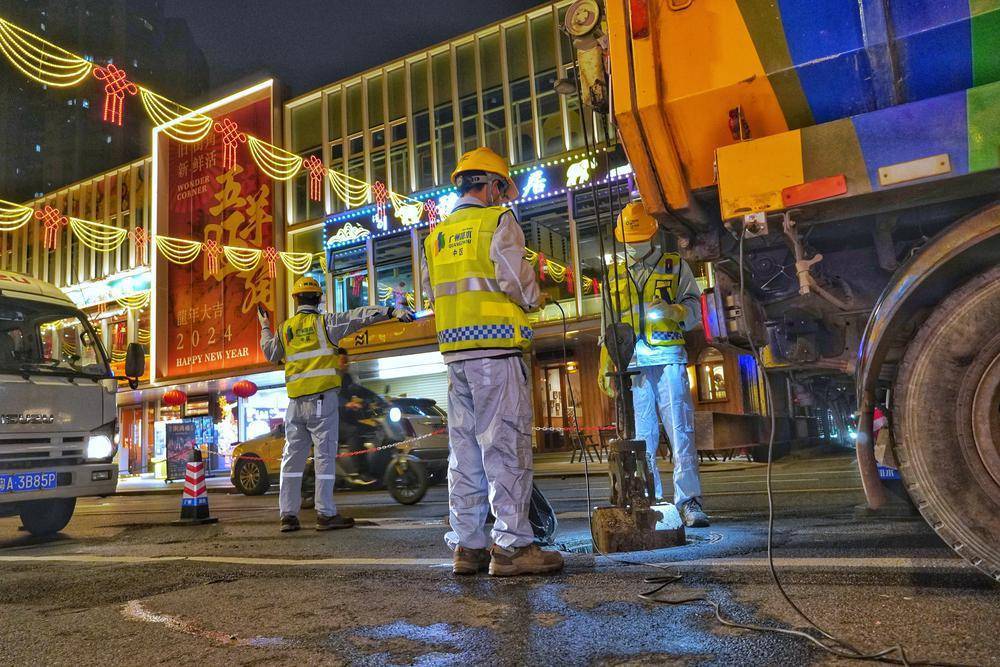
{"points": [[673, 312], [402, 314], [265, 321]]}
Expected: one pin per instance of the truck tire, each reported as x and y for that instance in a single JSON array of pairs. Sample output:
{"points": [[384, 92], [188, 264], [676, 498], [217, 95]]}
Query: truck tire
{"points": [[251, 477], [47, 517], [946, 421]]}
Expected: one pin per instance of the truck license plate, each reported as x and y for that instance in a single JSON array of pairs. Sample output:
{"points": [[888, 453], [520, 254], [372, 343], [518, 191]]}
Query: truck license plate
{"points": [[27, 481]]}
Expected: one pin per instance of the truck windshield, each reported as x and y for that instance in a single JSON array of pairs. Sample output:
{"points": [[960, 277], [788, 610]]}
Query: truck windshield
{"points": [[48, 338]]}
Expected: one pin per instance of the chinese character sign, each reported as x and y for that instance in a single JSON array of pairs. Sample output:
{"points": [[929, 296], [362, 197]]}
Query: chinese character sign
{"points": [[211, 313]]}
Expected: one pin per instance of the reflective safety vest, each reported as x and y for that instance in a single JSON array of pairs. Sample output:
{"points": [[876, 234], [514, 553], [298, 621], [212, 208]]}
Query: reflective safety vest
{"points": [[661, 285], [470, 309], [310, 357]]}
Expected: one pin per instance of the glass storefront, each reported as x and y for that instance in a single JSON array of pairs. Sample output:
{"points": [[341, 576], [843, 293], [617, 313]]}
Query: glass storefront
{"points": [[260, 413]]}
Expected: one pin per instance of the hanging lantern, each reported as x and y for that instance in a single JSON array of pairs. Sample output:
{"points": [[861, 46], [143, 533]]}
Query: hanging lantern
{"points": [[244, 389], [174, 398]]}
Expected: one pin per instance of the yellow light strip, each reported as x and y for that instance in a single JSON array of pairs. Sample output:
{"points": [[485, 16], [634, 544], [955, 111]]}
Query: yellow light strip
{"points": [[134, 301], [177, 120], [13, 216], [244, 259], [351, 191], [178, 251], [322, 261], [273, 161], [41, 60], [297, 262], [102, 238]]}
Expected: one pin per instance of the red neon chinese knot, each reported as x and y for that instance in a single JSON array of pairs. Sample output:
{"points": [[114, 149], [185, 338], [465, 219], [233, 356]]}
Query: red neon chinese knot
{"points": [[138, 236], [116, 85], [316, 171], [432, 212], [51, 219], [381, 195], [271, 257], [212, 253], [231, 136]]}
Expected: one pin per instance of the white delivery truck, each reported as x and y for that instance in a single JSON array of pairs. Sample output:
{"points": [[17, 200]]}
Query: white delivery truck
{"points": [[57, 405]]}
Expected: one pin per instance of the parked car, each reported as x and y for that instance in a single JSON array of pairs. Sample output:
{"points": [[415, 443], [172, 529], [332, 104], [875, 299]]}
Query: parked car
{"points": [[406, 471]]}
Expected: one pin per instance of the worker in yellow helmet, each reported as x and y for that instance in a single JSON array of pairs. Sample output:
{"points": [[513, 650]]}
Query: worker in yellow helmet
{"points": [[661, 300], [308, 346], [481, 286]]}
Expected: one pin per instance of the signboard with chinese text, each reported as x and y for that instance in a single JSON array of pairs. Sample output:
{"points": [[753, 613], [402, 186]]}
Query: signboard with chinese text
{"points": [[209, 309]]}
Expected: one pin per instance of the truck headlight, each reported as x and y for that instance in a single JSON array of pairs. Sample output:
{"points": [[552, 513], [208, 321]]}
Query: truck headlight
{"points": [[99, 446]]}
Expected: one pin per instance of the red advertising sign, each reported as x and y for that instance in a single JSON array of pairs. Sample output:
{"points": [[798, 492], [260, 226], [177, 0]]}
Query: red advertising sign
{"points": [[211, 304]]}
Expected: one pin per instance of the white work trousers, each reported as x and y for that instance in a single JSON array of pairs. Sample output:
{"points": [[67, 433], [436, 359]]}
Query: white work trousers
{"points": [[311, 423], [490, 463], [666, 388]]}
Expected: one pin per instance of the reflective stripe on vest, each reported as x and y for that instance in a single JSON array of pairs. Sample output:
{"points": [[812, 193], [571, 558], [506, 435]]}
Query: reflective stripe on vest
{"points": [[655, 332], [310, 358], [470, 309]]}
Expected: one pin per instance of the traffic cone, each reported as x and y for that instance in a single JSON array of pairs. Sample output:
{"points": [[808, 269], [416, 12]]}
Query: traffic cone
{"points": [[194, 500]]}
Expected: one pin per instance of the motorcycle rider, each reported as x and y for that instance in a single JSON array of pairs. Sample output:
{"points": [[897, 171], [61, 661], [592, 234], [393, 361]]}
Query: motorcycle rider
{"points": [[475, 273], [661, 300], [308, 346]]}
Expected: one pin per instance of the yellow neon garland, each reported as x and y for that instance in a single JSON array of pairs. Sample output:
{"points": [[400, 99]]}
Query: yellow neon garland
{"points": [[351, 191], [13, 216], [297, 262], [273, 161], [163, 111], [178, 251], [102, 238], [41, 60], [244, 259], [134, 301], [322, 261]]}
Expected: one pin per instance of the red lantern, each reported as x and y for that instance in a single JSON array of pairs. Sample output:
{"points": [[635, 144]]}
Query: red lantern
{"points": [[244, 389], [175, 397]]}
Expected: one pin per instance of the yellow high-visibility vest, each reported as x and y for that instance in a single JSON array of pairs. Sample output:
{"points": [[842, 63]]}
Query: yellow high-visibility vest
{"points": [[661, 282], [310, 357], [470, 309]]}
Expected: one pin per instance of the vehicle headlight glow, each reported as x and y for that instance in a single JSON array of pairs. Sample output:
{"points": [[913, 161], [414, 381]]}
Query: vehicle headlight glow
{"points": [[395, 414], [99, 446]]}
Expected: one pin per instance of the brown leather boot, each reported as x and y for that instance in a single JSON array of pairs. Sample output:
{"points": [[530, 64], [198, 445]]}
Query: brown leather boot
{"points": [[523, 560], [335, 522], [470, 561]]}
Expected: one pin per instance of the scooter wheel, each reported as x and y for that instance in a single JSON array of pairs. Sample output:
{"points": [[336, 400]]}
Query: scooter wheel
{"points": [[406, 480]]}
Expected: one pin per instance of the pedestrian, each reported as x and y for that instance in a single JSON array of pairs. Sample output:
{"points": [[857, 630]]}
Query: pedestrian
{"points": [[481, 287], [659, 297], [308, 346]]}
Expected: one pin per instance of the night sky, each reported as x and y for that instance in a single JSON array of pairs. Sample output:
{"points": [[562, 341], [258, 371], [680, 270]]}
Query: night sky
{"points": [[309, 43]]}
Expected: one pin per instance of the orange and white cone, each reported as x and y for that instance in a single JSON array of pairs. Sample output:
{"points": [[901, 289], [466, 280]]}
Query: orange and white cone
{"points": [[194, 500]]}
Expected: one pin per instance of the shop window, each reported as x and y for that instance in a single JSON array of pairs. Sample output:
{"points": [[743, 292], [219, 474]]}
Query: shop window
{"points": [[354, 118], [399, 159], [494, 121], [522, 123], [711, 372], [549, 110], [396, 84], [444, 115], [306, 126], [378, 166], [263, 412], [142, 334], [304, 208], [335, 115], [546, 239], [394, 269], [311, 241], [590, 221], [376, 111], [468, 101], [421, 125], [350, 282]]}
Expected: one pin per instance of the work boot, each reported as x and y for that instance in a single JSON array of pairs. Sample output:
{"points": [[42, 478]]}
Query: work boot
{"points": [[289, 523], [523, 560], [692, 514], [335, 522], [470, 561]]}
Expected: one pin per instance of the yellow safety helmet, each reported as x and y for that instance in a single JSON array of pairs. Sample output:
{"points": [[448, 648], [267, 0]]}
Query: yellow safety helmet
{"points": [[485, 159], [635, 224], [306, 285]]}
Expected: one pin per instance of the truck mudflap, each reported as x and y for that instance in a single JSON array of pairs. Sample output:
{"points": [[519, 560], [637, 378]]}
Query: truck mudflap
{"points": [[962, 250]]}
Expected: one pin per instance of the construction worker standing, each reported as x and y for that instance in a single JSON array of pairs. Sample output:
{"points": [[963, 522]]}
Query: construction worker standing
{"points": [[659, 297], [307, 342], [475, 273]]}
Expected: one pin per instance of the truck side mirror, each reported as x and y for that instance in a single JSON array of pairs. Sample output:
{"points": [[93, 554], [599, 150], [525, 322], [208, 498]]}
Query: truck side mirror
{"points": [[135, 364]]}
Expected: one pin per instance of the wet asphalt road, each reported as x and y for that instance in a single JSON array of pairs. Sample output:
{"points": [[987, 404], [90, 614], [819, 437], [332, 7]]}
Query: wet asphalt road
{"points": [[122, 586]]}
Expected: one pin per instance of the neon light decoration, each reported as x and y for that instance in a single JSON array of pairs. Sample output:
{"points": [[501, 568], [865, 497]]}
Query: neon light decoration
{"points": [[349, 232], [297, 262], [578, 173], [116, 85], [381, 195], [244, 259], [13, 216], [213, 251], [139, 240], [432, 212], [178, 251], [351, 191], [176, 120], [52, 220], [446, 203], [231, 136], [270, 255], [40, 60], [276, 163], [98, 237], [535, 185], [316, 170], [409, 214]]}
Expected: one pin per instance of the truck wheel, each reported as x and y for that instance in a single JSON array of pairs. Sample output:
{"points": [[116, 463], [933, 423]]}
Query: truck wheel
{"points": [[47, 517], [251, 477], [947, 421]]}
